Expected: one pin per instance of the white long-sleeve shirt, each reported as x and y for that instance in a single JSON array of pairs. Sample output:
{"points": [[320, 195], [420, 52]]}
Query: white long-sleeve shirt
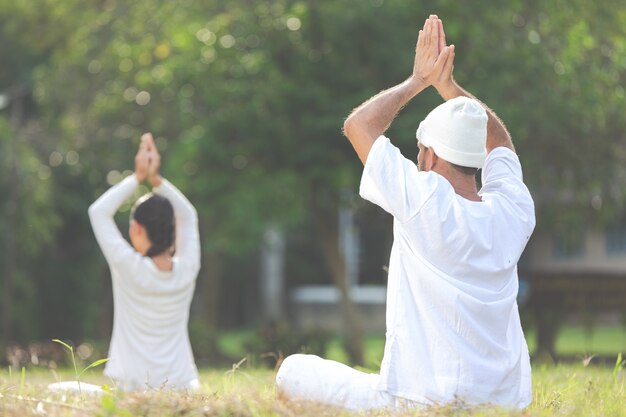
{"points": [[453, 326], [150, 342]]}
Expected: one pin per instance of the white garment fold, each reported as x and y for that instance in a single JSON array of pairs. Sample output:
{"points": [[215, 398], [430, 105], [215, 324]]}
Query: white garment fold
{"points": [[453, 327]]}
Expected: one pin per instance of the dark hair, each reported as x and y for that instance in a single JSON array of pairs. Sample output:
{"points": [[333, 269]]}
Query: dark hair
{"points": [[465, 170], [156, 214]]}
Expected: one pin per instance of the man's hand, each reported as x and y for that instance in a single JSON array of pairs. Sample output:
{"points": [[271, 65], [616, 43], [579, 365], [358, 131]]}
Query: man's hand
{"points": [[433, 63], [444, 79], [433, 59]]}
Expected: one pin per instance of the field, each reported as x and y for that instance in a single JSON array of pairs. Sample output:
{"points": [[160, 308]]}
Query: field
{"points": [[581, 388], [564, 390]]}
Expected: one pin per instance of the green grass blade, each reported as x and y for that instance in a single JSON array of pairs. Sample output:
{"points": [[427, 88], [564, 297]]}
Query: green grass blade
{"points": [[22, 380], [64, 344], [93, 365], [619, 364]]}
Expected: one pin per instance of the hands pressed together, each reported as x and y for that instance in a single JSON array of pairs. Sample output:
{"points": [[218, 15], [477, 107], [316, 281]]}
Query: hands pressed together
{"points": [[148, 161], [434, 60]]}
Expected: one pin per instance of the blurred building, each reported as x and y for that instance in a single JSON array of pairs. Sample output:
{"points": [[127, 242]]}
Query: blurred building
{"points": [[583, 272]]}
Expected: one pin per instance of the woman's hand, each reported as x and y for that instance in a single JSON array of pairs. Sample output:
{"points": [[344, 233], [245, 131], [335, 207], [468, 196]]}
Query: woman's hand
{"points": [[154, 160], [141, 161]]}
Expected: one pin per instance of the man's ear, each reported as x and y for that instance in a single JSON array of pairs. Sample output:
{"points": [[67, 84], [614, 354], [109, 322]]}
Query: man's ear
{"points": [[433, 159]]}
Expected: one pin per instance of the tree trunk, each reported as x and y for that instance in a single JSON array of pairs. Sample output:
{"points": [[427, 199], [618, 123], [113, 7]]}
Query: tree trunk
{"points": [[548, 321], [272, 274], [326, 222]]}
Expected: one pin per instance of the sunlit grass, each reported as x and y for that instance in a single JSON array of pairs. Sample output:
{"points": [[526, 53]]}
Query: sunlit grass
{"points": [[570, 341], [564, 390], [246, 390]]}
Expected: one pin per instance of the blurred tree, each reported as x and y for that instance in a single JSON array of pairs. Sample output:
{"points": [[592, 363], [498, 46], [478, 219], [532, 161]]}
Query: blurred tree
{"points": [[247, 100], [28, 223], [28, 218]]}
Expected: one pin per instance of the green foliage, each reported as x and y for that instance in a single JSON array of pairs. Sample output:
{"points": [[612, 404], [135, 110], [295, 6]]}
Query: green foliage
{"points": [[25, 185], [27, 225], [247, 100]]}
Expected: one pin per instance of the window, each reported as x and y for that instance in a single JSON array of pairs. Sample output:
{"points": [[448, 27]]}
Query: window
{"points": [[570, 244], [615, 241]]}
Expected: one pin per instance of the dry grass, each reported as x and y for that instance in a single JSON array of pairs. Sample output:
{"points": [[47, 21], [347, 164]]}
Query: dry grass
{"points": [[572, 391]]}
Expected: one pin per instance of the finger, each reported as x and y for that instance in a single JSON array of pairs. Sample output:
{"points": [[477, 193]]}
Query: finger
{"points": [[142, 156], [447, 69], [155, 163], [433, 42], [154, 146], [149, 139], [433, 16], [420, 40], [442, 35], [428, 30], [144, 141], [146, 137], [441, 60]]}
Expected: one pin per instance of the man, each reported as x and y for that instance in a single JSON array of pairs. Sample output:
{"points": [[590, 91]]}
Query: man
{"points": [[453, 328]]}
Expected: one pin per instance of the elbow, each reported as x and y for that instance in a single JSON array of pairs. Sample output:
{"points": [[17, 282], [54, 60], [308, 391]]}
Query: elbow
{"points": [[193, 215], [349, 126], [92, 211], [191, 219]]}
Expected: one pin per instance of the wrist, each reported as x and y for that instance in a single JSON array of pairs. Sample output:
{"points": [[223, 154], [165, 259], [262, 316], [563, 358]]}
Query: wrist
{"points": [[416, 84], [448, 90], [140, 177], [155, 180]]}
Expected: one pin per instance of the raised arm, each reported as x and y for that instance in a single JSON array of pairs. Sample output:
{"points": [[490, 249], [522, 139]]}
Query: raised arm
{"points": [[101, 212], [448, 88], [370, 120], [187, 235]]}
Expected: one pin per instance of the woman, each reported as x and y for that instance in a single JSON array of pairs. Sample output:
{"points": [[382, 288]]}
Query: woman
{"points": [[152, 286]]}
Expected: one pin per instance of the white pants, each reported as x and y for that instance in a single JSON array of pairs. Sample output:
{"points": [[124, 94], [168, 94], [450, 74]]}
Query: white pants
{"points": [[311, 378]]}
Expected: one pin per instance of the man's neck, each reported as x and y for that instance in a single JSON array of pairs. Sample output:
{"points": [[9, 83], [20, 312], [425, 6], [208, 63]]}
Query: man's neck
{"points": [[464, 185]]}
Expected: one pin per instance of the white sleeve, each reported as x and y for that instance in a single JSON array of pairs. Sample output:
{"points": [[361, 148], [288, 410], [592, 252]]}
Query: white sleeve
{"points": [[115, 248], [502, 174], [187, 235], [393, 182], [501, 163]]}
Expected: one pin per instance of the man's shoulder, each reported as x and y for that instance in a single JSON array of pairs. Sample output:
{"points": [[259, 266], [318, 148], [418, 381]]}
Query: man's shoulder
{"points": [[502, 165], [501, 152]]}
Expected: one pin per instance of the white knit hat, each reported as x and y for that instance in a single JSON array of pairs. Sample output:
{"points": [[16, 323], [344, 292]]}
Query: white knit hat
{"points": [[457, 132]]}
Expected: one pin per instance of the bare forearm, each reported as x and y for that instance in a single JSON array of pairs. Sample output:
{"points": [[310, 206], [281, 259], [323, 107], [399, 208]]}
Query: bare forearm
{"points": [[497, 134], [372, 118], [378, 112]]}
